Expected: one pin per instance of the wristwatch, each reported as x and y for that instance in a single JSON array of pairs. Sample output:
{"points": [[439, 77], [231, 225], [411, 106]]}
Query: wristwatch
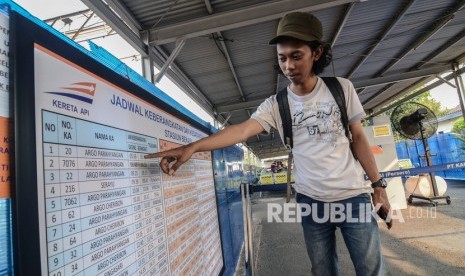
{"points": [[380, 183]]}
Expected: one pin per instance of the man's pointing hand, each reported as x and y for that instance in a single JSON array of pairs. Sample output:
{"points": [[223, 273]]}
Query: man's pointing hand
{"points": [[172, 159]]}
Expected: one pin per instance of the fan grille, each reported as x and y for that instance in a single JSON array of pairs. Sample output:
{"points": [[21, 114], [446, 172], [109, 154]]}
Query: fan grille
{"points": [[401, 119]]}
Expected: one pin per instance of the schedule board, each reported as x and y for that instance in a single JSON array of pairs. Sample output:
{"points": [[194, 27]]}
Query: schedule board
{"points": [[102, 209]]}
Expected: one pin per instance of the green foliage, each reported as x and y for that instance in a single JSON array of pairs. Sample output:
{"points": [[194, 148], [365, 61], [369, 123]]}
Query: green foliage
{"points": [[366, 123], [435, 106], [459, 126], [461, 138]]}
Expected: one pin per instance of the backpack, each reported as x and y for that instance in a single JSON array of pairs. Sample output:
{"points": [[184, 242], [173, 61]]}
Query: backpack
{"points": [[338, 94]]}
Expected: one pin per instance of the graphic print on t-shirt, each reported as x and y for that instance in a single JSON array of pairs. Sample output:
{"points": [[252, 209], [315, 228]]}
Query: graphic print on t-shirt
{"points": [[321, 121]]}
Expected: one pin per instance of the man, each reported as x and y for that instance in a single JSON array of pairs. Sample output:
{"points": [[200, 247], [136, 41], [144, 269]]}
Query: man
{"points": [[279, 167], [325, 169], [273, 167]]}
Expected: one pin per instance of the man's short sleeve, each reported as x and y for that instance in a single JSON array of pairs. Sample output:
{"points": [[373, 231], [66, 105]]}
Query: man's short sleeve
{"points": [[265, 114], [355, 110]]}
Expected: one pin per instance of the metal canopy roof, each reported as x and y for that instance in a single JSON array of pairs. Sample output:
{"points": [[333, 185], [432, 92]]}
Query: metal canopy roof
{"points": [[218, 52]]}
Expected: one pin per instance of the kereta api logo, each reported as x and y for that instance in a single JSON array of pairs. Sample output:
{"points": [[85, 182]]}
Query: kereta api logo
{"points": [[82, 91]]}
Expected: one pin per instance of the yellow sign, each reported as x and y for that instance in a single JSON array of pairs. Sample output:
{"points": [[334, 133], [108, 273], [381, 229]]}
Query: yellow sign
{"points": [[275, 178], [266, 179], [405, 164], [381, 130], [280, 178]]}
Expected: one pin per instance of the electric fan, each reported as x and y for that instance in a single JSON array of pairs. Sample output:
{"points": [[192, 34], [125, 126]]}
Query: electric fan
{"points": [[416, 121]]}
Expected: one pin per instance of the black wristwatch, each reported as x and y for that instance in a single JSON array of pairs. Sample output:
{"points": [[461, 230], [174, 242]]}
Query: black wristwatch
{"points": [[380, 183]]}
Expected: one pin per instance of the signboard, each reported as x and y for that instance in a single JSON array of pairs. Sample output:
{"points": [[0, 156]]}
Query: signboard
{"points": [[381, 130], [280, 178], [102, 208], [405, 163], [266, 179]]}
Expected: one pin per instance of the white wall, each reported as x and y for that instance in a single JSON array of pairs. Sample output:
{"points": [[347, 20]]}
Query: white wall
{"points": [[386, 160]]}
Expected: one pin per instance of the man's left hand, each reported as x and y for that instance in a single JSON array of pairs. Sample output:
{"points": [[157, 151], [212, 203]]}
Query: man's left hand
{"points": [[380, 198]]}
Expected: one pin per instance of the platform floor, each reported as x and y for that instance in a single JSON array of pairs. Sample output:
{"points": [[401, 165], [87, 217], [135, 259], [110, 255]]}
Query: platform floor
{"points": [[431, 241]]}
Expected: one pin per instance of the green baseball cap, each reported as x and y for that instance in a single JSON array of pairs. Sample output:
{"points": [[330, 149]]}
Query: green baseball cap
{"points": [[300, 25]]}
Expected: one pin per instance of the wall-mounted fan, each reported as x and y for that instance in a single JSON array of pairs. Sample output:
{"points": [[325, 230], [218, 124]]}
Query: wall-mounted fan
{"points": [[416, 121]]}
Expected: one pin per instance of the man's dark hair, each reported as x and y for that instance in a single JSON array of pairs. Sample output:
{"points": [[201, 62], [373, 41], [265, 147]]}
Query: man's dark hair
{"points": [[326, 56], [322, 63]]}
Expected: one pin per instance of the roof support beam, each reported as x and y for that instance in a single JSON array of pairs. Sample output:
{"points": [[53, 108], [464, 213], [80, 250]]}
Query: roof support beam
{"points": [[400, 77], [380, 39], [264, 144], [218, 38], [147, 61], [422, 39], [123, 12], [231, 66], [445, 46], [236, 19], [271, 154], [342, 23], [239, 106], [107, 15], [233, 71], [434, 28], [179, 45], [181, 80], [409, 97], [416, 85], [222, 125], [270, 149], [209, 6], [450, 43], [457, 75], [446, 81], [357, 84], [375, 95]]}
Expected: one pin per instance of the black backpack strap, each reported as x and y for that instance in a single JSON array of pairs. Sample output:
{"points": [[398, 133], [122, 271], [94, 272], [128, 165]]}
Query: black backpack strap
{"points": [[286, 119], [338, 94]]}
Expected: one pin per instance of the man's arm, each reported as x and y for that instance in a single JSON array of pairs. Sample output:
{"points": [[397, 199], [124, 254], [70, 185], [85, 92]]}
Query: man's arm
{"points": [[228, 136], [362, 150]]}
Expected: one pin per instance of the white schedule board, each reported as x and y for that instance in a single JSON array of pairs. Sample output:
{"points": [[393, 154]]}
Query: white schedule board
{"points": [[103, 209]]}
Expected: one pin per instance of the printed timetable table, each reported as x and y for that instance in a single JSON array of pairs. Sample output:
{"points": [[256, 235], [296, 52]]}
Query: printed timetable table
{"points": [[191, 217], [103, 200]]}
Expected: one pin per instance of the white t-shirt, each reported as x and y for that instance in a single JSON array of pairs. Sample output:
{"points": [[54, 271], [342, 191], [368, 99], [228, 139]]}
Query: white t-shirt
{"points": [[324, 167]]}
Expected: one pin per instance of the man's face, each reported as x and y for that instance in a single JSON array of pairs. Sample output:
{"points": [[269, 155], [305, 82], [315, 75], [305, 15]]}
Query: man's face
{"points": [[296, 60]]}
